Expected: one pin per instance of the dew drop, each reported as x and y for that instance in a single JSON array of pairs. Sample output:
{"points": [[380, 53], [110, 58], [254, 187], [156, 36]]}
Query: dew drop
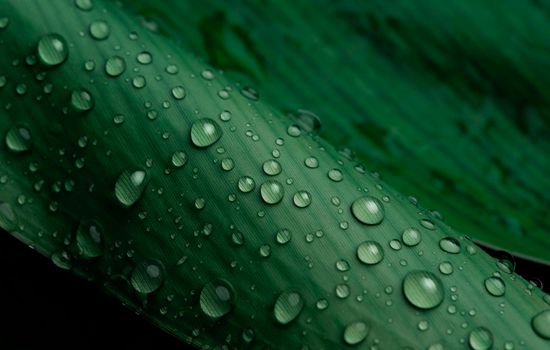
{"points": [[115, 66], [335, 175], [370, 252], [446, 268], [427, 224], [139, 82], [62, 260], [147, 276], [368, 210], [144, 58], [217, 298], [287, 307], [541, 324], [100, 30], [89, 239], [411, 237], [355, 333], [250, 93], [342, 265], [321, 304], [84, 5], [423, 289], [302, 199], [179, 159], [246, 184], [271, 167], [52, 50], [205, 132], [238, 238], [178, 92], [342, 291], [272, 192], [225, 116], [480, 339], [82, 100], [495, 286], [19, 139], [450, 245], [130, 187], [294, 131], [311, 162]]}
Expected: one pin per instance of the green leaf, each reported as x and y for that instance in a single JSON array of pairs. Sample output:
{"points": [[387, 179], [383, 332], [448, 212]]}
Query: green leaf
{"points": [[129, 162], [439, 98]]}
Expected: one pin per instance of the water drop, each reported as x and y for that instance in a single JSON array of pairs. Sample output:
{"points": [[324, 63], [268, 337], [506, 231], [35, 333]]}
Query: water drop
{"points": [[288, 306], [207, 74], [265, 251], [271, 167], [307, 120], [89, 239], [302, 199], [84, 5], [115, 66], [411, 237], [62, 260], [217, 298], [446, 268], [147, 276], [311, 162], [238, 238], [272, 192], [480, 339], [541, 324], [423, 289], [205, 132], [342, 291], [355, 333], [294, 131], [130, 187], [495, 286], [225, 116], [335, 175], [100, 30], [52, 50], [427, 224], [368, 210], [82, 100], [144, 57], [450, 245], [342, 265], [246, 184], [179, 159], [321, 304], [250, 93], [283, 236], [370, 252], [178, 92], [139, 82], [19, 139]]}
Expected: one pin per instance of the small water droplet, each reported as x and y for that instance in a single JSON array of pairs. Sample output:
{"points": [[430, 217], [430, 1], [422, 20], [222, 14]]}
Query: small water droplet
{"points": [[84, 5], [411, 237], [541, 324], [294, 131], [272, 192], [207, 74], [265, 250], [139, 82], [115, 66], [52, 49], [495, 286], [355, 333], [217, 298], [250, 93], [19, 139], [271, 167], [446, 268], [179, 159], [480, 339], [321, 304], [225, 116], [335, 175], [246, 184], [423, 289], [99, 30], [370, 252], [283, 236], [368, 210], [147, 276], [427, 224], [342, 265], [450, 245], [82, 100], [89, 239], [205, 132], [287, 307], [144, 58], [130, 187]]}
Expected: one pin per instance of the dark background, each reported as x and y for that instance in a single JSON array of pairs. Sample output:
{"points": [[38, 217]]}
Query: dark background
{"points": [[46, 307]]}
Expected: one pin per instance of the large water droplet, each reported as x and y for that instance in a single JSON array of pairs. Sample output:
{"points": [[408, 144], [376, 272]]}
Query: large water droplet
{"points": [[355, 333], [283, 236], [370, 252], [271, 167], [302, 199], [288, 306], [130, 186], [178, 92], [217, 298], [19, 139], [272, 192], [480, 339], [411, 237], [205, 132], [115, 66], [82, 100], [450, 245], [7, 217], [541, 324], [147, 276], [368, 210], [423, 289], [99, 30], [52, 49], [89, 239], [495, 286]]}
